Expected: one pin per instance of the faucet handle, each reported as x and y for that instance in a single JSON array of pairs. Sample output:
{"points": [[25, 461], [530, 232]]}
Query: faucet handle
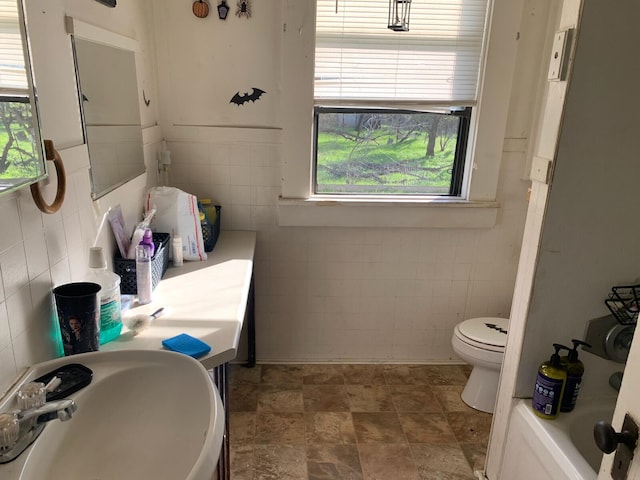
{"points": [[32, 395], [9, 430]]}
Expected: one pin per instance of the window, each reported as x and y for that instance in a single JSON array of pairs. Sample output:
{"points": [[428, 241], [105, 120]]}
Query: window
{"points": [[393, 109], [19, 139], [396, 152], [475, 207]]}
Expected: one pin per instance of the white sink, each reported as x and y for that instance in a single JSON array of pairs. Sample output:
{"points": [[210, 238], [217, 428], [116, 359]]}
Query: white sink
{"points": [[145, 415]]}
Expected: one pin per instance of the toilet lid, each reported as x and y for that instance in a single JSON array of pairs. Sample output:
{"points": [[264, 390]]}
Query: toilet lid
{"points": [[485, 330]]}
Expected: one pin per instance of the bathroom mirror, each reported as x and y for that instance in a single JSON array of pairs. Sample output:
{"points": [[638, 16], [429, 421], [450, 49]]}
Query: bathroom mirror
{"points": [[109, 102], [21, 148]]}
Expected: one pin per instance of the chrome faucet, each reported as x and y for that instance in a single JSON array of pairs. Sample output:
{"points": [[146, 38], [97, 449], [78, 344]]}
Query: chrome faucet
{"points": [[61, 409], [20, 428]]}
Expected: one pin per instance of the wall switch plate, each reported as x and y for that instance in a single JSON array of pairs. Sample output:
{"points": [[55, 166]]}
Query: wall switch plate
{"points": [[624, 452], [559, 55]]}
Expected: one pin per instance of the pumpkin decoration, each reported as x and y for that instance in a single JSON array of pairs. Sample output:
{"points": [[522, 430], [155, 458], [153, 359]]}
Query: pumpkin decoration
{"points": [[200, 8]]}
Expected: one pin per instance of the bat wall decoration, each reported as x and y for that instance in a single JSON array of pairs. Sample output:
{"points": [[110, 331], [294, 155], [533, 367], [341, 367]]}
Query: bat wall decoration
{"points": [[255, 94]]}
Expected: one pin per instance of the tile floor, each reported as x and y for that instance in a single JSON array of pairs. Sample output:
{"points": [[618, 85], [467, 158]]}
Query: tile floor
{"points": [[354, 422]]}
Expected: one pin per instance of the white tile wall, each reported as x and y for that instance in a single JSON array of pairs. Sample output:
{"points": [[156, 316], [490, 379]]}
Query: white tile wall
{"points": [[35, 252], [38, 252], [356, 294], [338, 294]]}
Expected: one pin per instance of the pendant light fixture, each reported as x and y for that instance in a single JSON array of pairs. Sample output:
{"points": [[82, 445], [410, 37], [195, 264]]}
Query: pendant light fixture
{"points": [[399, 11]]}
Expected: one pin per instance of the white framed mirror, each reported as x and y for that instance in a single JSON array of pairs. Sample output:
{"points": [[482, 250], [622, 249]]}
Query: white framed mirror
{"points": [[21, 147], [109, 104]]}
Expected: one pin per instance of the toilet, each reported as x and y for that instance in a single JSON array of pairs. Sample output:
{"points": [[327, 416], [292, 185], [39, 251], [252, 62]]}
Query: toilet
{"points": [[480, 342]]}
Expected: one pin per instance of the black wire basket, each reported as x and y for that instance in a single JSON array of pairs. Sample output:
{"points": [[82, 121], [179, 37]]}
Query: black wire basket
{"points": [[624, 303], [126, 268]]}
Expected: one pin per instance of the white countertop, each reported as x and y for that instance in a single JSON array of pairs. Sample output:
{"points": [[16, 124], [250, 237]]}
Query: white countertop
{"points": [[206, 300]]}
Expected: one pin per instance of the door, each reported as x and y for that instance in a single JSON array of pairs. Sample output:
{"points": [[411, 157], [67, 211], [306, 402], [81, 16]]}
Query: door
{"points": [[627, 403]]}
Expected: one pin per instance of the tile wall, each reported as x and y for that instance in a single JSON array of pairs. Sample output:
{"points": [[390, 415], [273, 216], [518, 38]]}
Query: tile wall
{"points": [[39, 252], [322, 294], [357, 294], [35, 255], [334, 294]]}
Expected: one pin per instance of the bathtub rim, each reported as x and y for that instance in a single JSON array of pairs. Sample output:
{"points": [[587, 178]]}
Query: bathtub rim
{"points": [[556, 438]]}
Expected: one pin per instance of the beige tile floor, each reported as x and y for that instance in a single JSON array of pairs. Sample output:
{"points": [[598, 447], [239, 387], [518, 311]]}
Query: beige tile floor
{"points": [[354, 422]]}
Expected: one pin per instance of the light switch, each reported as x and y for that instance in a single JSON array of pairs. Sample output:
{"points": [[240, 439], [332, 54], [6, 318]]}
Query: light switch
{"points": [[557, 64]]}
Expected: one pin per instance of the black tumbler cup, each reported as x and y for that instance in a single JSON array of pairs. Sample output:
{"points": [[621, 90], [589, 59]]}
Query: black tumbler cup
{"points": [[78, 306]]}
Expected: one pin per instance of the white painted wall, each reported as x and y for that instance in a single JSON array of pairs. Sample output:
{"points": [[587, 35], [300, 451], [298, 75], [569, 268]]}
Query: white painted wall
{"points": [[578, 242], [587, 243], [560, 17], [327, 294], [40, 251]]}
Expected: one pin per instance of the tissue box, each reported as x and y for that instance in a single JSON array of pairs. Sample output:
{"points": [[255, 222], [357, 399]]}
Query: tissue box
{"points": [[126, 268]]}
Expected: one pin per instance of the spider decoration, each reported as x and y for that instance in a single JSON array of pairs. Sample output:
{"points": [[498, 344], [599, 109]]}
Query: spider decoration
{"points": [[244, 8]]}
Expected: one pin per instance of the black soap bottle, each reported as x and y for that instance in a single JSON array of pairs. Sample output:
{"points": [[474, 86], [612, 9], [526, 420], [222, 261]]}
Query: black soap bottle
{"points": [[575, 370], [550, 382]]}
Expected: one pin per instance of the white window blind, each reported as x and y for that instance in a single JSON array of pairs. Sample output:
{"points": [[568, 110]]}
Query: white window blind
{"points": [[359, 60], [13, 75]]}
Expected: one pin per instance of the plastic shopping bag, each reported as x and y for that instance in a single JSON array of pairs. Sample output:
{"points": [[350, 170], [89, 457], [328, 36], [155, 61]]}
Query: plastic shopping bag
{"points": [[177, 213]]}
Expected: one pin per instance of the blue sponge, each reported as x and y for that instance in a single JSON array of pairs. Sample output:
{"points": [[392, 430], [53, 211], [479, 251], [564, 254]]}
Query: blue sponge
{"points": [[186, 344]]}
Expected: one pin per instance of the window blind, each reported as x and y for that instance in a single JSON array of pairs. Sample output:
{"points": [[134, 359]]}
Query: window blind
{"points": [[13, 75], [359, 60]]}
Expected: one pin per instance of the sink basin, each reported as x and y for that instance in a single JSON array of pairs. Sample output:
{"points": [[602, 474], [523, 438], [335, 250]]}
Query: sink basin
{"points": [[146, 415]]}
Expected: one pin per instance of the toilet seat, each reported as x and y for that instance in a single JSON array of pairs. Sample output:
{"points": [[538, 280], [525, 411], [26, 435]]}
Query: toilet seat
{"points": [[486, 333]]}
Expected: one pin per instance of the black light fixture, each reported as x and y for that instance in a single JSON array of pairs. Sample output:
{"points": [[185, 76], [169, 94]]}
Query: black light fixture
{"points": [[399, 11], [108, 3]]}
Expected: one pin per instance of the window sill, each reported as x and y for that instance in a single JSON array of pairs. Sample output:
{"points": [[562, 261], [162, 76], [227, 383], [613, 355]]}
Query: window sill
{"points": [[331, 211]]}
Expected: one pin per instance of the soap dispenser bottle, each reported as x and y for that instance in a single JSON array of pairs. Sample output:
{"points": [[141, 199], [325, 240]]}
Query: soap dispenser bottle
{"points": [[575, 370], [550, 382]]}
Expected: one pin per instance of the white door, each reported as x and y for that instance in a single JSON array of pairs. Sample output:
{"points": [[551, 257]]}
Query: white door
{"points": [[627, 403]]}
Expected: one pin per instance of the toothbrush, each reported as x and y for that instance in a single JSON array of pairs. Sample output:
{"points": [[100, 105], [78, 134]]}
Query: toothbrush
{"points": [[53, 384]]}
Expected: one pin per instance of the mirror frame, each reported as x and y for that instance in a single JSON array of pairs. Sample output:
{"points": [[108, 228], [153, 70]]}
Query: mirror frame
{"points": [[38, 144], [86, 31]]}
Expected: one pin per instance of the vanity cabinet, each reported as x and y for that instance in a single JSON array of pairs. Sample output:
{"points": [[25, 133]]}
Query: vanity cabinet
{"points": [[212, 300]]}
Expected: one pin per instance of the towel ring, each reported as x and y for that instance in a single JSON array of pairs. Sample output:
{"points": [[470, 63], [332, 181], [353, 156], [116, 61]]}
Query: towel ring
{"points": [[51, 154]]}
